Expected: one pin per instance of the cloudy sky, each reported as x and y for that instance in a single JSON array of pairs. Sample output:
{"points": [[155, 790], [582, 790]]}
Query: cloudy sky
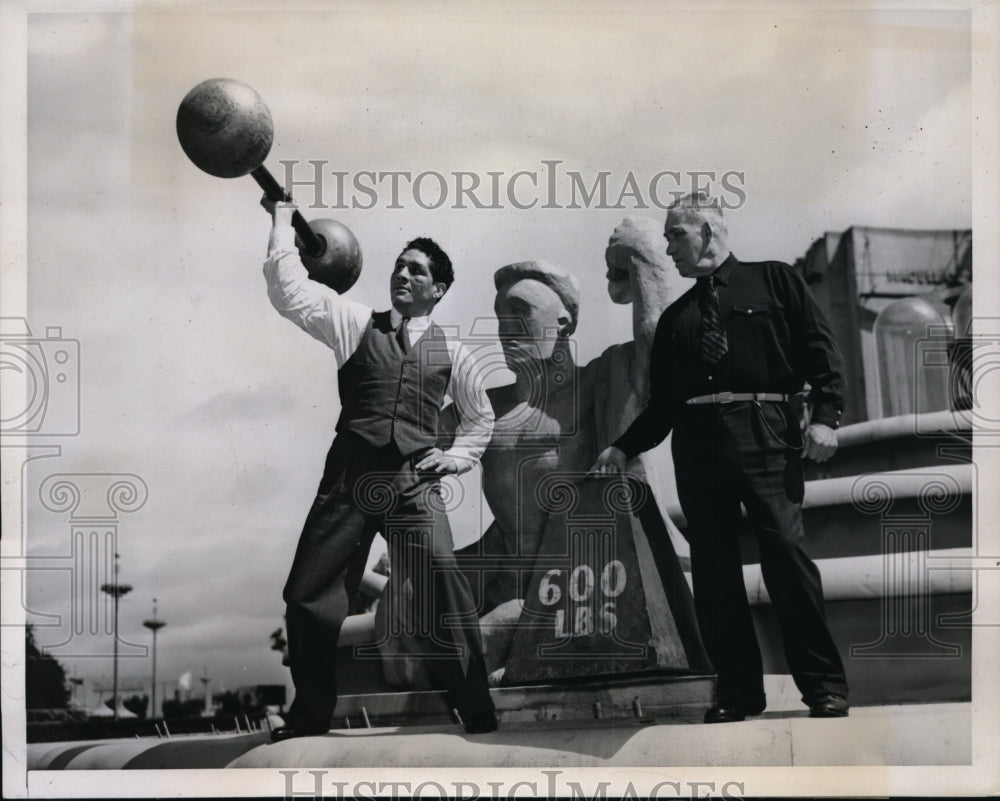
{"points": [[191, 381]]}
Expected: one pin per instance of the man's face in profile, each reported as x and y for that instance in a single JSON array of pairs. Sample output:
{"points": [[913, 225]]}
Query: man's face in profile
{"points": [[686, 243]]}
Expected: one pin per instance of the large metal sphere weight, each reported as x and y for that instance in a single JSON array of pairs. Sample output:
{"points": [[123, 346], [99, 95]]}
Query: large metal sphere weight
{"points": [[225, 128]]}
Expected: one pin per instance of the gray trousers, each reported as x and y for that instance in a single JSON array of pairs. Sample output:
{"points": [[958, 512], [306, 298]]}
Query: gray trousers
{"points": [[365, 490]]}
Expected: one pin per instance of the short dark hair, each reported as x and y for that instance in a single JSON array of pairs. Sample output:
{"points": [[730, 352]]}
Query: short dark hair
{"points": [[441, 269]]}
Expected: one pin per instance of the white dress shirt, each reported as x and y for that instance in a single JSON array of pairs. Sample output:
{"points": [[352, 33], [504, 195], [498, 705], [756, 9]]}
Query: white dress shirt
{"points": [[340, 323]]}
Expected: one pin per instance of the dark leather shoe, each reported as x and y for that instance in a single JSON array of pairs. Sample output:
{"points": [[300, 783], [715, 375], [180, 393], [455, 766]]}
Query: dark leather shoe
{"points": [[723, 713], [288, 732], [829, 706], [482, 724]]}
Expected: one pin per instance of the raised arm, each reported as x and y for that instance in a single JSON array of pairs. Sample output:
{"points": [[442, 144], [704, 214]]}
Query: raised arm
{"points": [[317, 310]]}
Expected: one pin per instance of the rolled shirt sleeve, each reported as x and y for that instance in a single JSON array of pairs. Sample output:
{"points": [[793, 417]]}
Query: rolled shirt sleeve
{"points": [[475, 412], [335, 321]]}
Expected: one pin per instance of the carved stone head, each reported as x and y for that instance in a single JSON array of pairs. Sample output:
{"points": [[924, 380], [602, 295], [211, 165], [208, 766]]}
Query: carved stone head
{"points": [[537, 305]]}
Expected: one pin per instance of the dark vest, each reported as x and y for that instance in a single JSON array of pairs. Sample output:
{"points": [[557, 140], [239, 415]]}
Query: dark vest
{"points": [[390, 396]]}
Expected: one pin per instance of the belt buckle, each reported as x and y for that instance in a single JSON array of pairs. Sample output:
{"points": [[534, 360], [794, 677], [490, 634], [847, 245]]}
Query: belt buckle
{"points": [[725, 397]]}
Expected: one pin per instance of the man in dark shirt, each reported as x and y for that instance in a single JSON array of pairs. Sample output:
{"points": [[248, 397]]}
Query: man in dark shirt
{"points": [[725, 358]]}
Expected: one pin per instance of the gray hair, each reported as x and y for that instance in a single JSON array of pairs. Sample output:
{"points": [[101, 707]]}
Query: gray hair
{"points": [[703, 206]]}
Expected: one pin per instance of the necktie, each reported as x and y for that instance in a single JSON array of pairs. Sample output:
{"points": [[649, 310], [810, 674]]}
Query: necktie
{"points": [[713, 338], [402, 336]]}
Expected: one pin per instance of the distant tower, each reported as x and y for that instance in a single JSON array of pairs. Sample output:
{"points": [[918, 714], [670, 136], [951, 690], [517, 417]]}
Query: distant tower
{"points": [[208, 700], [154, 625], [116, 590]]}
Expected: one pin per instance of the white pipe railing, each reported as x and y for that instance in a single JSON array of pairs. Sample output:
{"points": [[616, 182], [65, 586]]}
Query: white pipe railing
{"points": [[925, 425], [899, 484], [936, 572]]}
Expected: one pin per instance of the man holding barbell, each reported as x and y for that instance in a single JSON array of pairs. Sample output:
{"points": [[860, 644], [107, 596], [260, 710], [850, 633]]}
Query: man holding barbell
{"points": [[383, 474], [725, 357]]}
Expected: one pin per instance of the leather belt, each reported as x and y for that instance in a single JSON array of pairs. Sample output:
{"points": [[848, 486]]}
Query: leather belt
{"points": [[732, 397]]}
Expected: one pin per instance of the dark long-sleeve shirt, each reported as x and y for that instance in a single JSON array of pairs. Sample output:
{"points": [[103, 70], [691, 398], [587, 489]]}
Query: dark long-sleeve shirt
{"points": [[778, 339]]}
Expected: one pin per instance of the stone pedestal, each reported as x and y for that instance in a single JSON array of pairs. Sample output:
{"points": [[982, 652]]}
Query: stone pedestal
{"points": [[603, 599]]}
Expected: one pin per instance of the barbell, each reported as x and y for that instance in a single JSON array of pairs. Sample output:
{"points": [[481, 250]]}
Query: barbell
{"points": [[225, 128]]}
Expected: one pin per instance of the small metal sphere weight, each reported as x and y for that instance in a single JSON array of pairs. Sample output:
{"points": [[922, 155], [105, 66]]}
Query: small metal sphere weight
{"points": [[339, 264], [225, 128]]}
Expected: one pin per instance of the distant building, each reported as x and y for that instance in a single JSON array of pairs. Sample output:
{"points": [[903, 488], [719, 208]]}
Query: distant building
{"points": [[257, 697], [900, 302]]}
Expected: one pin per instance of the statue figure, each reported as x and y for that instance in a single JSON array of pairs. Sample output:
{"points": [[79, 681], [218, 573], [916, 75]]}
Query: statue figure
{"points": [[544, 420], [640, 274], [552, 417], [544, 423]]}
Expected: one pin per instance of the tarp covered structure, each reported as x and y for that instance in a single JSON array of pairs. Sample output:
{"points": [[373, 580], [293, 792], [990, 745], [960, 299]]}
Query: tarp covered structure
{"points": [[857, 273], [102, 710]]}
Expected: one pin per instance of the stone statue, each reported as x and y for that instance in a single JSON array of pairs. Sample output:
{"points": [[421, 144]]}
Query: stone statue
{"points": [[544, 419], [640, 274], [553, 416], [544, 424]]}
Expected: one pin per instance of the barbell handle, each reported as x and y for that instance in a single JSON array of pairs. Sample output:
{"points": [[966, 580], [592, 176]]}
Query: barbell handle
{"points": [[313, 245]]}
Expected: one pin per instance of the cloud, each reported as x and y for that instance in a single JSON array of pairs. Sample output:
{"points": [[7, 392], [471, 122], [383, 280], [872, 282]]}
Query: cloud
{"points": [[64, 36], [249, 404]]}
